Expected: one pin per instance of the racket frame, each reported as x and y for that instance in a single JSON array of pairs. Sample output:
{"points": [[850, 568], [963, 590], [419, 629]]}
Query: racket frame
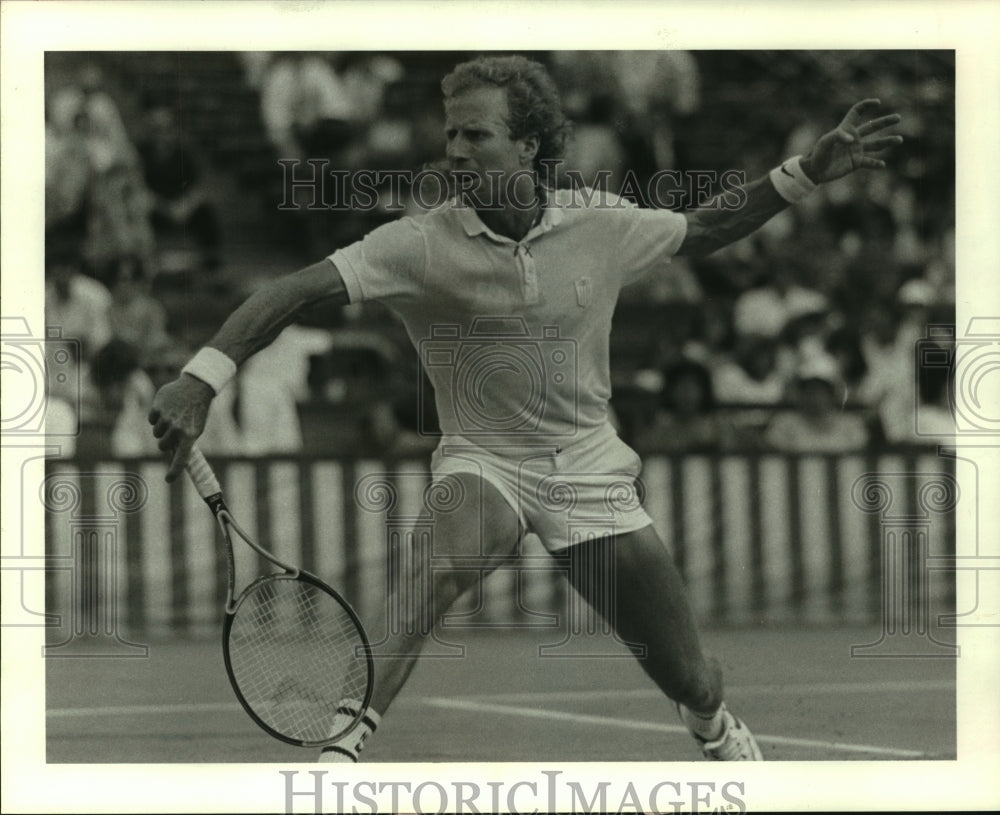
{"points": [[208, 487]]}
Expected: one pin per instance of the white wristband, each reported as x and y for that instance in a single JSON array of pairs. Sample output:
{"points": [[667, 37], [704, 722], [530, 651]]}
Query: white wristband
{"points": [[212, 367], [790, 181]]}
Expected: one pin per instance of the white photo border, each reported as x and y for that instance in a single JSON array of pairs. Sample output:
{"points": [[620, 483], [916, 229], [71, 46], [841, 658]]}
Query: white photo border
{"points": [[29, 29]]}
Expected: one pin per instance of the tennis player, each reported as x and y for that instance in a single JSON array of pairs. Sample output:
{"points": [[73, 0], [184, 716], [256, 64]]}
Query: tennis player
{"points": [[537, 271]]}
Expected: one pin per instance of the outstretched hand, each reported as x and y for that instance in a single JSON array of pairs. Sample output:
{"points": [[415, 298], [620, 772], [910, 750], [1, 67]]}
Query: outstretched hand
{"points": [[850, 146], [180, 409]]}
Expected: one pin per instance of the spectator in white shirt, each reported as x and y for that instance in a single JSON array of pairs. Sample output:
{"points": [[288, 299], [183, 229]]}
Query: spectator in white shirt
{"points": [[818, 425]]}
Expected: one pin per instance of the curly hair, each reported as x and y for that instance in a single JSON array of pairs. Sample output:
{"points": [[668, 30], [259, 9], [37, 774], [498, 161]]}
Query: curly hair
{"points": [[532, 98]]}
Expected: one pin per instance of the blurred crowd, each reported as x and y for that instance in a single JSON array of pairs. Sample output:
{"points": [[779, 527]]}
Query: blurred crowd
{"points": [[123, 207], [801, 337]]}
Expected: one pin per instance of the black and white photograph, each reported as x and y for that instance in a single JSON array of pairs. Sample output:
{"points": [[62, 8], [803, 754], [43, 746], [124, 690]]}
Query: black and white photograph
{"points": [[519, 418]]}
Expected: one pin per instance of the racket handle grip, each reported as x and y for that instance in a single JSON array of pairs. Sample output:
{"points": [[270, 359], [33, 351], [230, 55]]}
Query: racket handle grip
{"points": [[201, 474]]}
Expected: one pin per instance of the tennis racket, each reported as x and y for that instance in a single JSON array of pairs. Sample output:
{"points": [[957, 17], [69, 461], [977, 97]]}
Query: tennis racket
{"points": [[296, 653]]}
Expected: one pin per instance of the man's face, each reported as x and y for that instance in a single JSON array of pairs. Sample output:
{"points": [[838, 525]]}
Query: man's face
{"points": [[689, 396], [479, 139], [817, 398]]}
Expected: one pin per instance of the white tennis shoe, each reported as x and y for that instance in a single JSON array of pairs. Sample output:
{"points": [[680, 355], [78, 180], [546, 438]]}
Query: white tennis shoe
{"points": [[735, 744]]}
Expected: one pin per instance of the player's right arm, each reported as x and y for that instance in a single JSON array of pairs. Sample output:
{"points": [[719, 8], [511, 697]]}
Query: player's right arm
{"points": [[180, 408]]}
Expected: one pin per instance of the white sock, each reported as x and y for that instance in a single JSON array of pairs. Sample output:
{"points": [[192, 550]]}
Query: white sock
{"points": [[349, 746], [708, 726]]}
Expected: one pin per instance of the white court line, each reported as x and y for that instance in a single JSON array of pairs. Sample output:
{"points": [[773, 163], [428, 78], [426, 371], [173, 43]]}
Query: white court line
{"points": [[487, 707], [631, 724], [537, 696], [480, 706], [904, 686], [141, 710]]}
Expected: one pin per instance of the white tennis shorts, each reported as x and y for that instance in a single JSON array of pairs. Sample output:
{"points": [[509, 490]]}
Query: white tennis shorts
{"points": [[565, 495]]}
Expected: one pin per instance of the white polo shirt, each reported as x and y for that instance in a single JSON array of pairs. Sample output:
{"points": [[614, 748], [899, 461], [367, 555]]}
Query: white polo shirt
{"points": [[513, 334]]}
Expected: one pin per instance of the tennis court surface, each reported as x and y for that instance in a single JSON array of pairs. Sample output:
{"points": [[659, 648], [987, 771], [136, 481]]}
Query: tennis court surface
{"points": [[799, 689]]}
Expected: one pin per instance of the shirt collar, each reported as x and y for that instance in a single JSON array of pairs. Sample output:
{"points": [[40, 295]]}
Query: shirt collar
{"points": [[552, 215]]}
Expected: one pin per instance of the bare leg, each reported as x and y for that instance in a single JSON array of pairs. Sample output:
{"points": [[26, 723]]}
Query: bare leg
{"points": [[652, 610], [483, 526]]}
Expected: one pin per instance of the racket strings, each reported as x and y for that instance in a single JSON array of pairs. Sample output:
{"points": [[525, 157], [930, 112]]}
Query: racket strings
{"points": [[297, 656]]}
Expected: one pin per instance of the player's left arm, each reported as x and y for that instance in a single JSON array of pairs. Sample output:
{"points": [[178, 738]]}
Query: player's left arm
{"points": [[851, 146]]}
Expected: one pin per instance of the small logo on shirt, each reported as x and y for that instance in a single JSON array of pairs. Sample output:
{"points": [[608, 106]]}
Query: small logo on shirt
{"points": [[584, 292]]}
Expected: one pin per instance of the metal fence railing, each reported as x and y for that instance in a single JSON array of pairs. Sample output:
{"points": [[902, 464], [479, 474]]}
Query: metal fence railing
{"points": [[759, 538]]}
